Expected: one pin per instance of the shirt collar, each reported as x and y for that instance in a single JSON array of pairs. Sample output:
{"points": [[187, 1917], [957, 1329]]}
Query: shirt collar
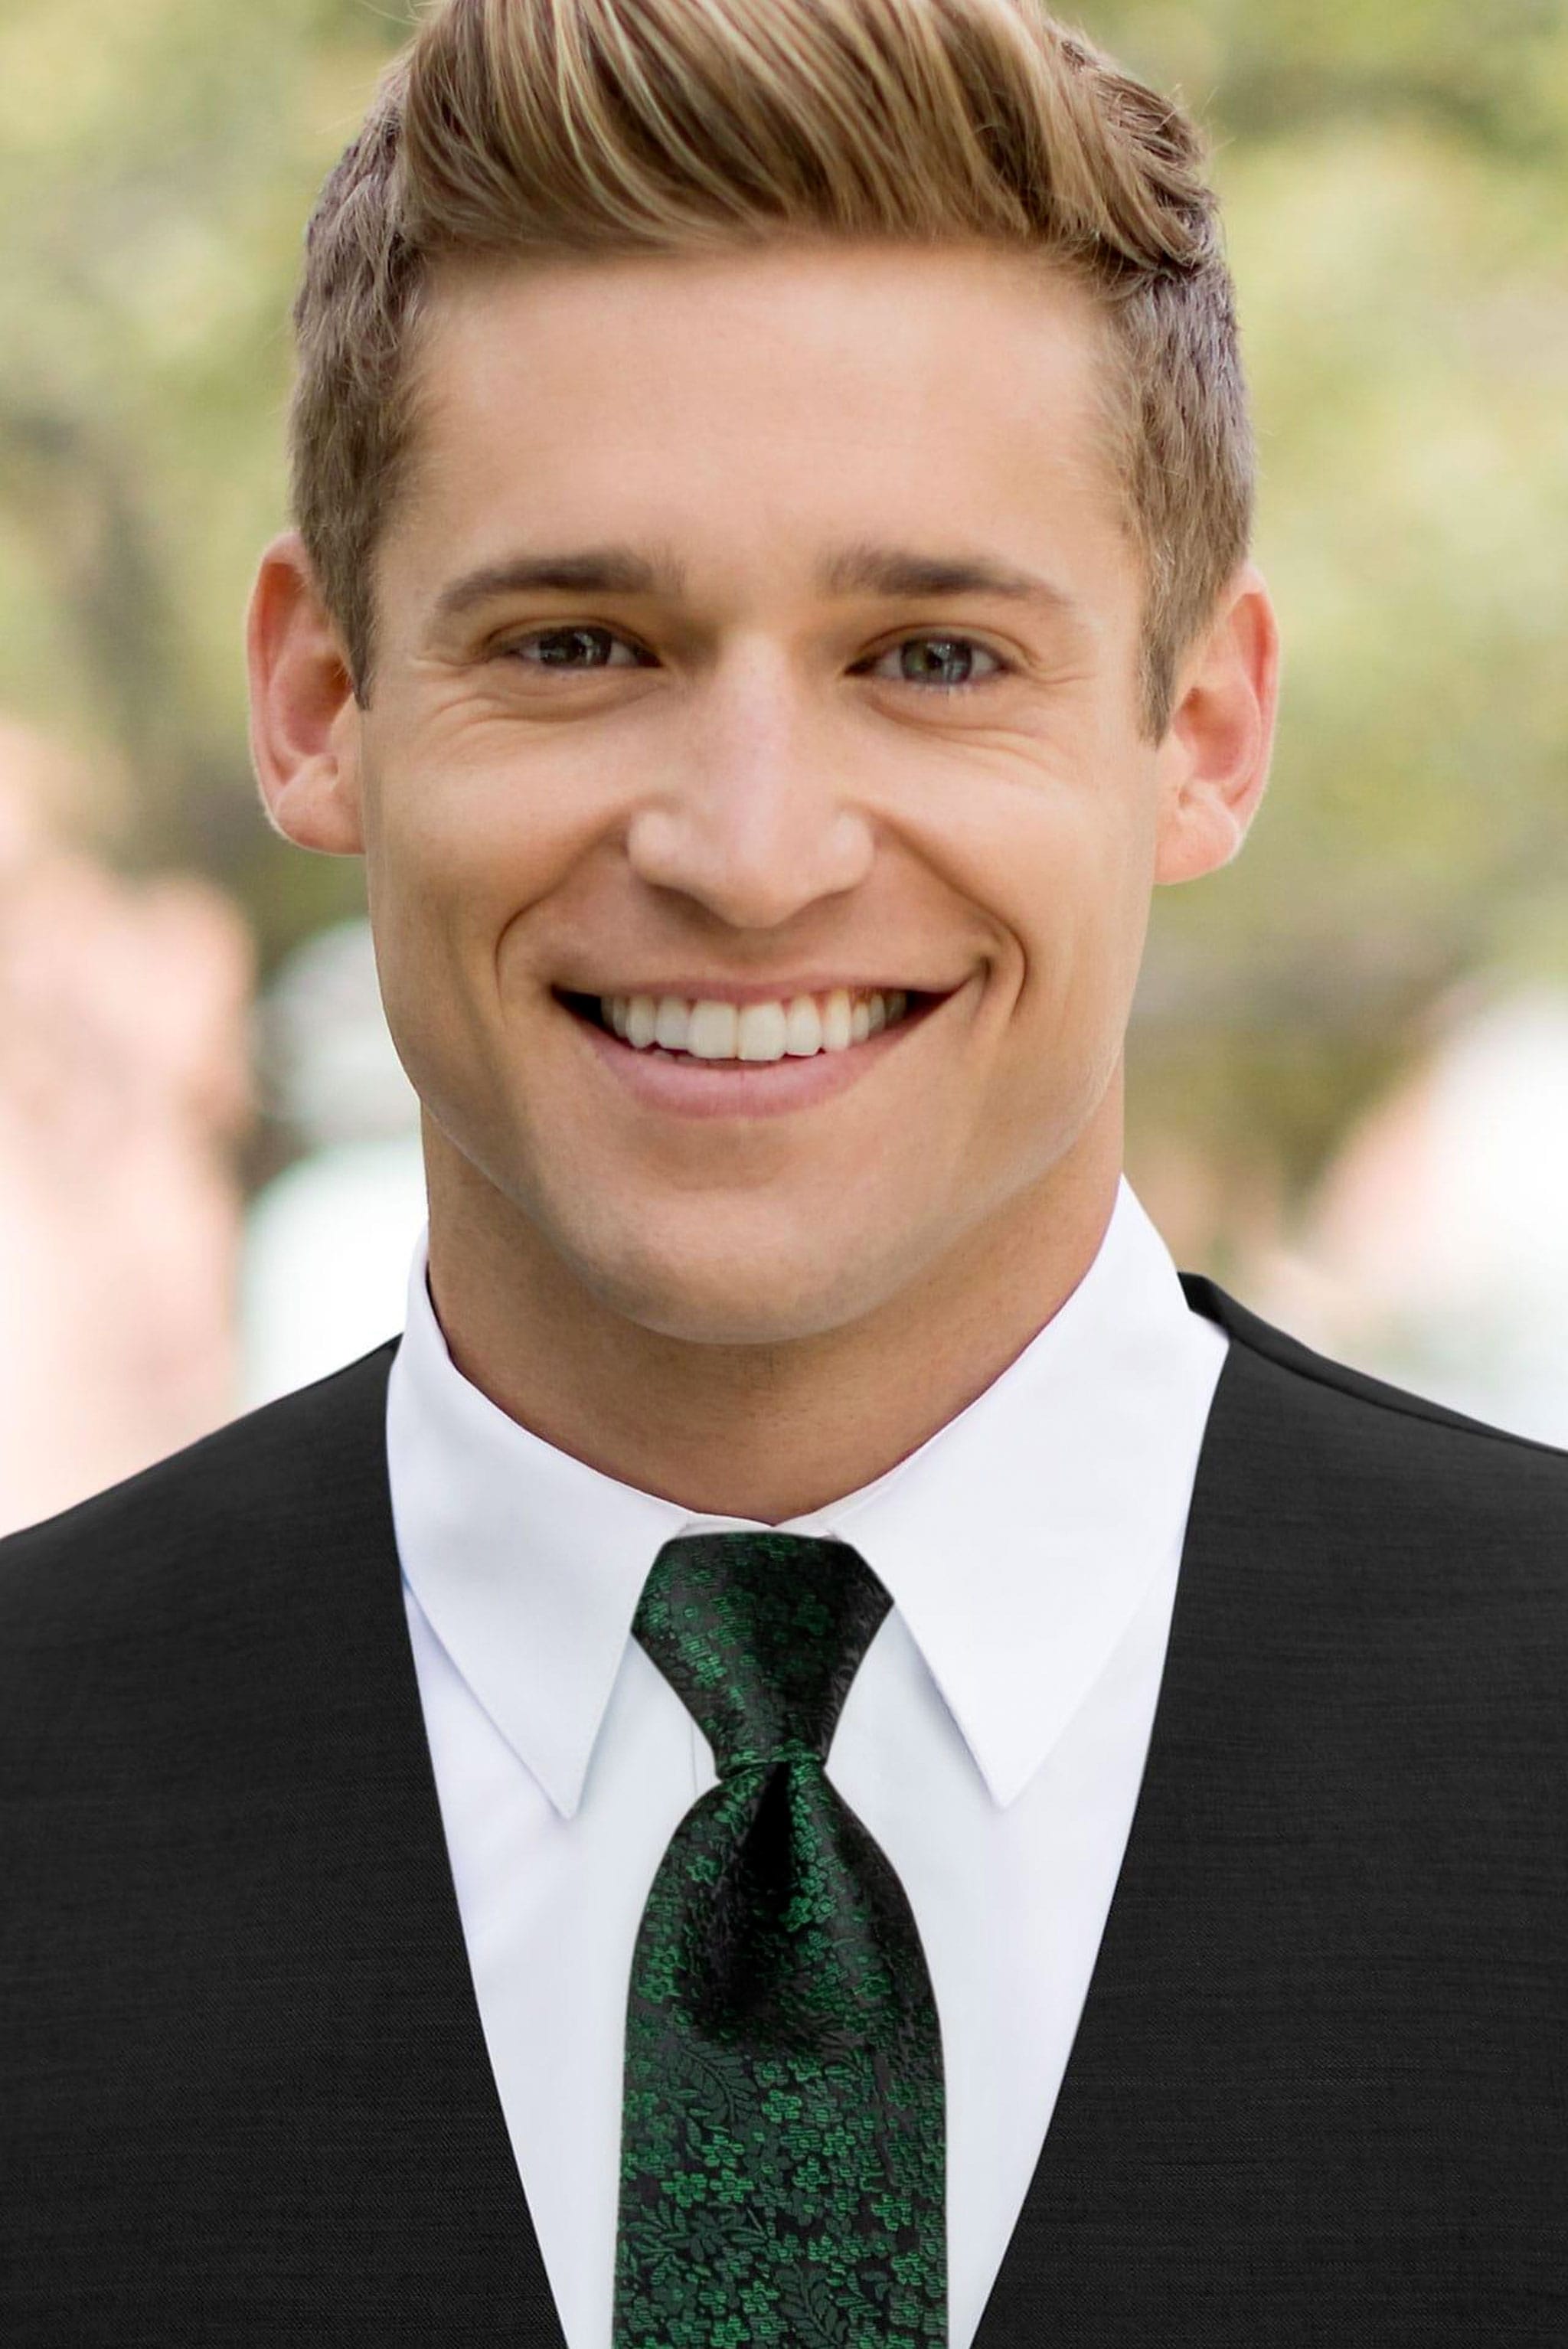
{"points": [[1018, 1542]]}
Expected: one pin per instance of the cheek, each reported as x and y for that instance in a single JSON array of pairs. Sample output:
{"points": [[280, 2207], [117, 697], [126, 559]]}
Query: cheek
{"points": [[458, 852], [438, 910], [1062, 867]]}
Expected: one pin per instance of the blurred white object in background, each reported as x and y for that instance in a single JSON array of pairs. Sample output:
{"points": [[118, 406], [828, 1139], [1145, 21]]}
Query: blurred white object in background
{"points": [[1435, 1253], [324, 1262]]}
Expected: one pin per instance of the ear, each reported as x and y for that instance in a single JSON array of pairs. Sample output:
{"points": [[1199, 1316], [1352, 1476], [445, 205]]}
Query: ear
{"points": [[304, 721], [1214, 760]]}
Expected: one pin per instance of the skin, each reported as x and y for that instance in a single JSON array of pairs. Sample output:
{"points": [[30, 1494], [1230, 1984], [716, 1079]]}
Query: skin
{"points": [[753, 1315]]}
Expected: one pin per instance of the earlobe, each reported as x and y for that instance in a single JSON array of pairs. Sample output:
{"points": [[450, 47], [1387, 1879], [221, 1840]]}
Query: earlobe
{"points": [[1214, 760], [305, 723]]}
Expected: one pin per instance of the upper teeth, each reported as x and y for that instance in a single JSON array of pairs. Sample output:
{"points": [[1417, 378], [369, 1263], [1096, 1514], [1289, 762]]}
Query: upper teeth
{"points": [[711, 1031]]}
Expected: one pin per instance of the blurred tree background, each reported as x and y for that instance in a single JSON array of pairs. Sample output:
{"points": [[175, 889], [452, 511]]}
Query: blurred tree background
{"points": [[1393, 179]]}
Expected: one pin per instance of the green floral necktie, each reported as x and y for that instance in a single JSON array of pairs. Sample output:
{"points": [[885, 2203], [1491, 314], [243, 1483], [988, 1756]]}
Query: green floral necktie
{"points": [[782, 2150]]}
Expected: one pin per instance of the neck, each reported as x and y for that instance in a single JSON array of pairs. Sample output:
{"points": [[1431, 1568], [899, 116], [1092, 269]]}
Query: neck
{"points": [[765, 1432]]}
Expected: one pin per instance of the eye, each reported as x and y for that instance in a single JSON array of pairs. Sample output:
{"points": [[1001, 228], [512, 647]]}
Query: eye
{"points": [[575, 648], [947, 663]]}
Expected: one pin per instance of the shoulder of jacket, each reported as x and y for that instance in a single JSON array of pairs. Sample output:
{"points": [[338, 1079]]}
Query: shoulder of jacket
{"points": [[1336, 1379], [255, 1486], [1358, 1461]]}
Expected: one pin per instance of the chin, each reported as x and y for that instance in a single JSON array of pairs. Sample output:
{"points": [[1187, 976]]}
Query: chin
{"points": [[730, 1299]]}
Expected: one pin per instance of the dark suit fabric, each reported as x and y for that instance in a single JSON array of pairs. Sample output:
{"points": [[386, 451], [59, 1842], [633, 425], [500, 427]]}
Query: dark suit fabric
{"points": [[1318, 2093]]}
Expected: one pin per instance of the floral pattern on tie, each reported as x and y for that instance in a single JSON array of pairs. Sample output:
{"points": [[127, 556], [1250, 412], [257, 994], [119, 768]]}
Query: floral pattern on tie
{"points": [[783, 2159]]}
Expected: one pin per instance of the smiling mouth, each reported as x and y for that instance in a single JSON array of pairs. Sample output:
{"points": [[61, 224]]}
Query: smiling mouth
{"points": [[798, 1027]]}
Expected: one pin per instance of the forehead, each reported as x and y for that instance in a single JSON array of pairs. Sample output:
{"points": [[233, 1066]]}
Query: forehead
{"points": [[761, 399]]}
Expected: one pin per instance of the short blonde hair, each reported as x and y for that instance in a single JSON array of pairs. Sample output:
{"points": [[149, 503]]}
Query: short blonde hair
{"points": [[549, 127]]}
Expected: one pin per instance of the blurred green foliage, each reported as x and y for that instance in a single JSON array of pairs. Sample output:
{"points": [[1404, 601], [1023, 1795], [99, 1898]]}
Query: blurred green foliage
{"points": [[1396, 185]]}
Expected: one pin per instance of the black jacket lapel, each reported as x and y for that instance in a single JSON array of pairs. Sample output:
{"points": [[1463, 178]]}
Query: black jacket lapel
{"points": [[1317, 2093], [250, 2095]]}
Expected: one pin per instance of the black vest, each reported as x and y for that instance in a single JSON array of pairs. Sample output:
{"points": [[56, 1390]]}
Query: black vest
{"points": [[1318, 2093]]}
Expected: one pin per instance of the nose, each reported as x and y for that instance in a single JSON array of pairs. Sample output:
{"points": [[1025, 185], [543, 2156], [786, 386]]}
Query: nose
{"points": [[757, 818]]}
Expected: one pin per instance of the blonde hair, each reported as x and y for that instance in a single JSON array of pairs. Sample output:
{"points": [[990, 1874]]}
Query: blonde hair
{"points": [[534, 128]]}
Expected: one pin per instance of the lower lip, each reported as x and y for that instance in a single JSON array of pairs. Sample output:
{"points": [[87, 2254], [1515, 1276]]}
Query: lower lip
{"points": [[687, 1088]]}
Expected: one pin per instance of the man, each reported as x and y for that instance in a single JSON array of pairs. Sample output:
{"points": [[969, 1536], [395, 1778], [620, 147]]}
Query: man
{"points": [[825, 1750]]}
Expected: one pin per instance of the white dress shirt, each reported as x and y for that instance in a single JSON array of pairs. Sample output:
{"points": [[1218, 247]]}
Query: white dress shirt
{"points": [[993, 1740]]}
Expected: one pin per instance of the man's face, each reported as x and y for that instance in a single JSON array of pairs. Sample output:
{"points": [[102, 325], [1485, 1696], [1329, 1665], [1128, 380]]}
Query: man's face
{"points": [[818, 677]]}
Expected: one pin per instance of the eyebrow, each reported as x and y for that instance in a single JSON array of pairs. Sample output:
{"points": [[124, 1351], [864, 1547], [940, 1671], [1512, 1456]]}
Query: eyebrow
{"points": [[595, 570], [900, 570], [861, 569]]}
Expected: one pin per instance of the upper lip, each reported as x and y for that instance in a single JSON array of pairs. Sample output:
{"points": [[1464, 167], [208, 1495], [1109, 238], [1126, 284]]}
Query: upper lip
{"points": [[729, 990]]}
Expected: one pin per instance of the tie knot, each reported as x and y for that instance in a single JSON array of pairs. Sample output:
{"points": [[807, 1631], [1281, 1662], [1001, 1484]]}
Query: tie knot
{"points": [[760, 1636]]}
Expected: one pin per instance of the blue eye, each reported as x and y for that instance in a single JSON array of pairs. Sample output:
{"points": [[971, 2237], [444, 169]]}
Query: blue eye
{"points": [[948, 662], [569, 648]]}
